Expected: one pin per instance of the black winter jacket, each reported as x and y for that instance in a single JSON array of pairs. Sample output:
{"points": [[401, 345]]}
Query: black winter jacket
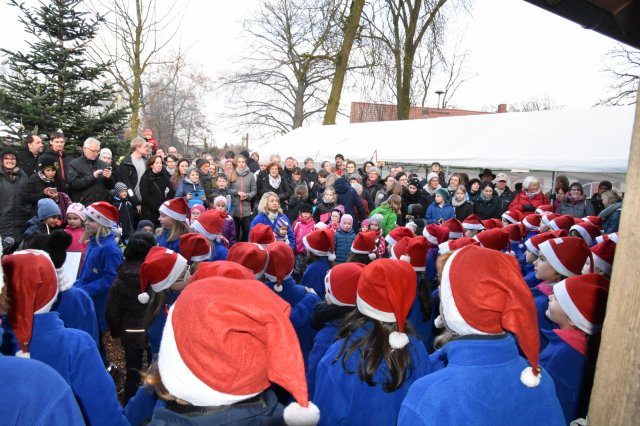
{"points": [[35, 189], [487, 209], [128, 174], [85, 187], [15, 211], [61, 181], [155, 189], [27, 161]]}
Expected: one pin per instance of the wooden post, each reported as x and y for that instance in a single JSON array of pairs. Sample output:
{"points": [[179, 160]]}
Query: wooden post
{"points": [[615, 398]]}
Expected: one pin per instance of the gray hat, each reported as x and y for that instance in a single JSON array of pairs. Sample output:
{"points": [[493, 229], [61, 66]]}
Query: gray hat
{"points": [[119, 187], [105, 152], [377, 218]]}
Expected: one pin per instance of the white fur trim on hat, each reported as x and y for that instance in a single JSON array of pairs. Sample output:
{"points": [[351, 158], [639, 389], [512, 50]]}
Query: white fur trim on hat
{"points": [[312, 250], [296, 415], [176, 271], [390, 239], [570, 308], [180, 380], [552, 258], [531, 247], [329, 294], [583, 233], [201, 258], [197, 226], [473, 226], [274, 279], [444, 248], [454, 235], [450, 311], [602, 264], [96, 216], [372, 312], [173, 215]]}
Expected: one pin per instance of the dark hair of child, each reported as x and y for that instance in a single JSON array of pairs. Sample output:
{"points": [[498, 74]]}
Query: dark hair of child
{"points": [[138, 246]]}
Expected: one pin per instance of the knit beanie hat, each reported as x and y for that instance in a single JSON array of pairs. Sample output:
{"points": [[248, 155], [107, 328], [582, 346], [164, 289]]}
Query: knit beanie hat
{"points": [[47, 162], [347, 218], [282, 222], [144, 223], [567, 255], [280, 264], [33, 286], [77, 209], [339, 208], [341, 283], [201, 162], [432, 175], [386, 291], [376, 218], [365, 222], [119, 187], [250, 255], [220, 199], [47, 208], [226, 340], [443, 193], [583, 299], [197, 208], [414, 182], [473, 274]]}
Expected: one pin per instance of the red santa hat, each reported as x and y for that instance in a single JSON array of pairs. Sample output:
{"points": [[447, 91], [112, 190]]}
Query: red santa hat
{"points": [[512, 216], [280, 264], [398, 233], [33, 286], [103, 213], [595, 220], [436, 234], [603, 254], [583, 299], [473, 223], [474, 274], [544, 209], [546, 219], [532, 221], [176, 209], [534, 242], [588, 231], [400, 248], [341, 283], [161, 269], [561, 222], [195, 247], [604, 237], [222, 268], [386, 290], [321, 243], [416, 253], [452, 245], [567, 255], [210, 223], [495, 239], [226, 341], [516, 232], [147, 132], [262, 234], [250, 255], [455, 228], [365, 243], [492, 224]]}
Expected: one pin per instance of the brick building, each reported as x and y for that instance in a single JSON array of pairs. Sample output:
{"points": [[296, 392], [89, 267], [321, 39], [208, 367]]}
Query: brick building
{"points": [[362, 112]]}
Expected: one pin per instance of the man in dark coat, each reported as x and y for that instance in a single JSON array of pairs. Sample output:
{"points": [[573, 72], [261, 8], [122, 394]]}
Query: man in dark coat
{"points": [[28, 158], [503, 192], [350, 200], [62, 160], [90, 178], [133, 167]]}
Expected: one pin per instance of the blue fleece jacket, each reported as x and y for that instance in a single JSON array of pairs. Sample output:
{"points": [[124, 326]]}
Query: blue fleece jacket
{"points": [[435, 213], [481, 386], [344, 399], [313, 276], [76, 311], [101, 260]]}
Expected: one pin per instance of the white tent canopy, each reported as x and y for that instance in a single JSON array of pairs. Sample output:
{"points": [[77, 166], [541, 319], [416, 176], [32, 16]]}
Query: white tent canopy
{"points": [[593, 140]]}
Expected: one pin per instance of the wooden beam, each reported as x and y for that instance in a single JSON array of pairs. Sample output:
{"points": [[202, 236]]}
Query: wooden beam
{"points": [[615, 398]]}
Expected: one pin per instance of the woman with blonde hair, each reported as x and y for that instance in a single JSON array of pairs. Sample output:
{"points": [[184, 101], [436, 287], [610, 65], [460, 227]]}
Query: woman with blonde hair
{"points": [[270, 213]]}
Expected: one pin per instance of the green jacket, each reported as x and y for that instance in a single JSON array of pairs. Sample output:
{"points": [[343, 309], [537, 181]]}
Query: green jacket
{"points": [[389, 218]]}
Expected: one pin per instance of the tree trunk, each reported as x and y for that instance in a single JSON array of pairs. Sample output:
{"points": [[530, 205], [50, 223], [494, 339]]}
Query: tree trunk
{"points": [[615, 398], [137, 73], [298, 113], [404, 95], [342, 61]]}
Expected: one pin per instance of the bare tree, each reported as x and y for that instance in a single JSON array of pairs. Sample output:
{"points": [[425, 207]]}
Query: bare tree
{"points": [[534, 103], [623, 68], [137, 33], [175, 108], [286, 79]]}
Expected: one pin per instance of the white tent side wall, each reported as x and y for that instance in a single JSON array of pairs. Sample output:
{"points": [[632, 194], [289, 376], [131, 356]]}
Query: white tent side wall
{"points": [[593, 140]]}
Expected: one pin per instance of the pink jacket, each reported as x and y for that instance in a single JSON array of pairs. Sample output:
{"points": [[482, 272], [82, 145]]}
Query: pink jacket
{"points": [[76, 236], [301, 228]]}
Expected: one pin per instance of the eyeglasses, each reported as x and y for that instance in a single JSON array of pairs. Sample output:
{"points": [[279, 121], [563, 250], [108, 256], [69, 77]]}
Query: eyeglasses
{"points": [[95, 151], [7, 158]]}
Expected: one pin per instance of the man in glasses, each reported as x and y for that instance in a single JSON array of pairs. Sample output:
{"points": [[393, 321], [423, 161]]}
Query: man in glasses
{"points": [[89, 177]]}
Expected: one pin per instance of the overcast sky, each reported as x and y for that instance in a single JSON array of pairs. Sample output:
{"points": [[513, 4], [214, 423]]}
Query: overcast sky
{"points": [[518, 51]]}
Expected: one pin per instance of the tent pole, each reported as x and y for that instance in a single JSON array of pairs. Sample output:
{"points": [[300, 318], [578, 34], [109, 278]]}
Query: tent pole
{"points": [[552, 197], [615, 398]]}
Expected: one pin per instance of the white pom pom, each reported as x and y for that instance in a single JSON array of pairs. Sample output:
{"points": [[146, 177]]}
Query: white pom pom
{"points": [[278, 288], [438, 322], [297, 415], [529, 379], [372, 256], [332, 257], [143, 298], [512, 253], [406, 258], [413, 226], [21, 354], [520, 245], [398, 340]]}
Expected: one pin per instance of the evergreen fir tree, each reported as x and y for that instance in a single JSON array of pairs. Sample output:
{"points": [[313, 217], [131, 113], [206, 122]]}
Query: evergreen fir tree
{"points": [[53, 85]]}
